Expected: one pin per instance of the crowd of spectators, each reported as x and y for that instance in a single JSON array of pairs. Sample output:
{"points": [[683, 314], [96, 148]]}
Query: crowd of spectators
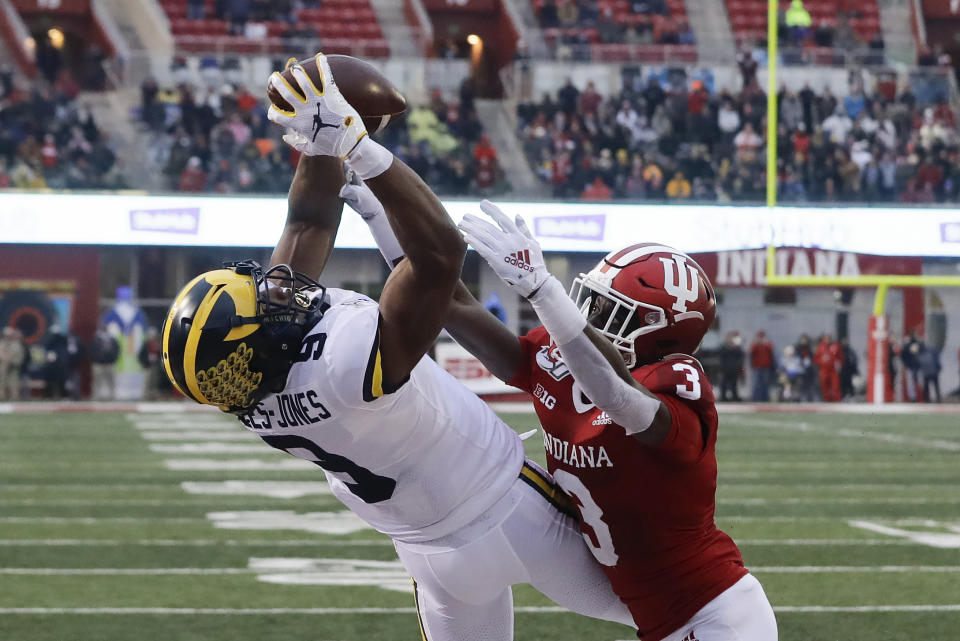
{"points": [[581, 22], [666, 136], [48, 140], [246, 17], [215, 139], [218, 139], [822, 369]]}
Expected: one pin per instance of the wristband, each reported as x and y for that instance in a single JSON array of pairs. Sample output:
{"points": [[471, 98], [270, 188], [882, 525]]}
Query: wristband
{"points": [[558, 313], [369, 159], [386, 240]]}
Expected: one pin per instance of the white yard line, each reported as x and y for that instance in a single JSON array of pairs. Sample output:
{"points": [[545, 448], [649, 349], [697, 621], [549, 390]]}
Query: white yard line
{"points": [[377, 542], [854, 569], [864, 434], [90, 520], [200, 542], [217, 499], [783, 569], [814, 609], [803, 500]]}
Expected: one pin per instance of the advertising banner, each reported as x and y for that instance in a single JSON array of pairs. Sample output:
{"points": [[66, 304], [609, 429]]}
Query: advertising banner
{"points": [[571, 227]]}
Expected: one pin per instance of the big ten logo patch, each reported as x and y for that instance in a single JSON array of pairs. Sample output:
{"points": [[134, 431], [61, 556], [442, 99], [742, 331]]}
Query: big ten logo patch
{"points": [[544, 397], [550, 361]]}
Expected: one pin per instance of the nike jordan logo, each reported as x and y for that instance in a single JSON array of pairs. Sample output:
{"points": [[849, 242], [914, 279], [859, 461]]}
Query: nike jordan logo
{"points": [[318, 124]]}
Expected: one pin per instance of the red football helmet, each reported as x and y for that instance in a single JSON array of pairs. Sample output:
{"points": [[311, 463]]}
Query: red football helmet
{"points": [[650, 300]]}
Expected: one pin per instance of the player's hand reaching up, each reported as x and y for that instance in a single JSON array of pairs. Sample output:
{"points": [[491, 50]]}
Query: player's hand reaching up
{"points": [[509, 248], [321, 122], [356, 194]]}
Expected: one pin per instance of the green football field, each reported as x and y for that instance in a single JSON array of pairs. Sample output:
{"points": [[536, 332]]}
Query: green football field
{"points": [[173, 526]]}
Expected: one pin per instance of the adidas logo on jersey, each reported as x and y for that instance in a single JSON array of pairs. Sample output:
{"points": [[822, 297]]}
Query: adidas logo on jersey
{"points": [[520, 259], [690, 637], [603, 419]]}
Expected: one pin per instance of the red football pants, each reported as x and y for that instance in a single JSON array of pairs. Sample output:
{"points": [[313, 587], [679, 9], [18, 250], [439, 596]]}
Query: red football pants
{"points": [[829, 384]]}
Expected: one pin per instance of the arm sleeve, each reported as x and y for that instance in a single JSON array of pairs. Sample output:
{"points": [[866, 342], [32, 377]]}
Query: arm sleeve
{"points": [[631, 408]]}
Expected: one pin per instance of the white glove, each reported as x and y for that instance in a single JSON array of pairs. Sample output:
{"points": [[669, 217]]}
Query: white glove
{"points": [[356, 194], [323, 123], [509, 248], [363, 201]]}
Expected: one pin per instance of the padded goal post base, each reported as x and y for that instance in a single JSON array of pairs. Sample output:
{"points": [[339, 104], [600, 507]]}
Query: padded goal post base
{"points": [[879, 381]]}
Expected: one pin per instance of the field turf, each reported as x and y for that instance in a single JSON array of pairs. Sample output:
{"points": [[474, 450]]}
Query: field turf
{"points": [[182, 527]]}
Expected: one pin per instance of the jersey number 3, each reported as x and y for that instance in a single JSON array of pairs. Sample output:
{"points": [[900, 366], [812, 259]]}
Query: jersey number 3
{"points": [[691, 390], [592, 515]]}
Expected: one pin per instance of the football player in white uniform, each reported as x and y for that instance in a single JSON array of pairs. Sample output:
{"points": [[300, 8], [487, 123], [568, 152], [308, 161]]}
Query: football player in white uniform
{"points": [[336, 378]]}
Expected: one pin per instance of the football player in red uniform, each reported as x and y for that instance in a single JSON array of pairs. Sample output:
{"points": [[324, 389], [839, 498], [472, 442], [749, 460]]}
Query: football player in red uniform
{"points": [[629, 421]]}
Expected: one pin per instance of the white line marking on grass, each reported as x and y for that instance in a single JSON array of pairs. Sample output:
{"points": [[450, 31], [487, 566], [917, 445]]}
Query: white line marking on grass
{"points": [[340, 522], [376, 542], [841, 569], [197, 501], [233, 435], [796, 609], [89, 520], [864, 434], [800, 500], [934, 537], [209, 448], [186, 429], [387, 575], [210, 542], [816, 609], [823, 542], [123, 571], [272, 489], [239, 465], [95, 520], [838, 408], [298, 566]]}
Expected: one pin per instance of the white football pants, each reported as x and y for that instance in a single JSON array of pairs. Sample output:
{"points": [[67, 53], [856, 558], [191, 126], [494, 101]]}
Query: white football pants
{"points": [[462, 581], [740, 613]]}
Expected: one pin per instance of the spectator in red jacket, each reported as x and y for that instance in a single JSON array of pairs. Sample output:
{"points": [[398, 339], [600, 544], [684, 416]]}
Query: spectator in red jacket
{"points": [[828, 359], [597, 190], [763, 366], [484, 150], [193, 178]]}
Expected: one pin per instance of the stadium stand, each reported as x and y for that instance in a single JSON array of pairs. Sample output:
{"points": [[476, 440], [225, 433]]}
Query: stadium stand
{"points": [[617, 30], [219, 140], [48, 140], [836, 30], [657, 139], [276, 26]]}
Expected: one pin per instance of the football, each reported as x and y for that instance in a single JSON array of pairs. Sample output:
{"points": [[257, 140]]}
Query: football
{"points": [[365, 88]]}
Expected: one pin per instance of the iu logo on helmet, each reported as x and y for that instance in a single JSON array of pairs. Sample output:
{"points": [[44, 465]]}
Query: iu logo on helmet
{"points": [[683, 283]]}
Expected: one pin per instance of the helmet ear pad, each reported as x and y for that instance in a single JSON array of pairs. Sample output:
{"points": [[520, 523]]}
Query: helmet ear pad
{"points": [[284, 341]]}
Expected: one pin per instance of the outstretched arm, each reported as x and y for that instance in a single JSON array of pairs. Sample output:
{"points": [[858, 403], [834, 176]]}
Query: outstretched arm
{"points": [[470, 324], [592, 360], [417, 294], [313, 215]]}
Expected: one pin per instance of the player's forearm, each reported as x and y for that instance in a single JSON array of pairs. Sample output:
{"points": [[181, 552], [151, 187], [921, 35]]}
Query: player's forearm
{"points": [[596, 366], [313, 215], [314, 197], [422, 226], [483, 335]]}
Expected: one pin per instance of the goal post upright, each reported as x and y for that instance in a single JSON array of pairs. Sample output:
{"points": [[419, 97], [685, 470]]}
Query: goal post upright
{"points": [[879, 385]]}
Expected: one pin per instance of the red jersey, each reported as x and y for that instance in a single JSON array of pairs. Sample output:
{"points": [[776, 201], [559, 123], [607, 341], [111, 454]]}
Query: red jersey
{"points": [[646, 511]]}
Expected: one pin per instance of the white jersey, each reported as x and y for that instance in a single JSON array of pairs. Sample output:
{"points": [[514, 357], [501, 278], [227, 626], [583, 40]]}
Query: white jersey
{"points": [[416, 463]]}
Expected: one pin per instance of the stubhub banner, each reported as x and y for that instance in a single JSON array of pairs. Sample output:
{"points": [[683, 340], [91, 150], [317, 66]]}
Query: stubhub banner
{"points": [[218, 221]]}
